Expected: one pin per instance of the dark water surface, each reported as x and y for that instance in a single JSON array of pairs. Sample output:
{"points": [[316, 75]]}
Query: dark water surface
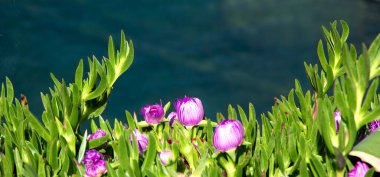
{"points": [[222, 51]]}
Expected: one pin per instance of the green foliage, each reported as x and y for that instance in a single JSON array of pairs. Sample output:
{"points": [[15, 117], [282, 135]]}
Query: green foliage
{"points": [[297, 137]]}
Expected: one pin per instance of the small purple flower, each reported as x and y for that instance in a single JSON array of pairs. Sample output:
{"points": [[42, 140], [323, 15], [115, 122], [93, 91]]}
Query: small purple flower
{"points": [[338, 119], [359, 170], [189, 111], [98, 134], [374, 125], [96, 169], [166, 157], [153, 114], [228, 134], [91, 156], [141, 139], [94, 163]]}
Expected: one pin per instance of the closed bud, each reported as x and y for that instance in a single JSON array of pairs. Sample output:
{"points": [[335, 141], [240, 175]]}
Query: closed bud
{"points": [[228, 134], [141, 139], [153, 114], [166, 157], [337, 119], [189, 111]]}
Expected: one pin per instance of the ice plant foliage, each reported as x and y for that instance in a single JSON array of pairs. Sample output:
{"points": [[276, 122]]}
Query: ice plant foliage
{"points": [[153, 114], [303, 134], [189, 111], [228, 135]]}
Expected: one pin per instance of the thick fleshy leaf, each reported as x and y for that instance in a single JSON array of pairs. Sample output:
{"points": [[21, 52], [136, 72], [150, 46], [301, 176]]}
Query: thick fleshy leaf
{"points": [[98, 142], [82, 147], [131, 122], [10, 92], [123, 152], [110, 171], [150, 154], [102, 86], [29, 171], [35, 123], [366, 150]]}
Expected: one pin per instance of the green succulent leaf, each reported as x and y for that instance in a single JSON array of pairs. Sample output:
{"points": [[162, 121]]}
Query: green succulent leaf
{"points": [[366, 151], [82, 147], [150, 154], [98, 142]]}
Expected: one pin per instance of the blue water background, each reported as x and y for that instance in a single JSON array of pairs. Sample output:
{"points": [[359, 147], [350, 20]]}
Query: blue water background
{"points": [[221, 51]]}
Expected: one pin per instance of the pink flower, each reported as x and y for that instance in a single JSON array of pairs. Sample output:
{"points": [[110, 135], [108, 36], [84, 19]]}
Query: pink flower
{"points": [[91, 156], [96, 169], [189, 111], [141, 139], [228, 134], [98, 134], [153, 114], [94, 163], [359, 170], [166, 157]]}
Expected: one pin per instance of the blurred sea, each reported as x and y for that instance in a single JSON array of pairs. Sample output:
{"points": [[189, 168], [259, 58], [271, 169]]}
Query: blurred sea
{"points": [[221, 51]]}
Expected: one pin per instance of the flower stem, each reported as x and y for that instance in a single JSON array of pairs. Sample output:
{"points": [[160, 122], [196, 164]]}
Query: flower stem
{"points": [[231, 153], [340, 173], [227, 165]]}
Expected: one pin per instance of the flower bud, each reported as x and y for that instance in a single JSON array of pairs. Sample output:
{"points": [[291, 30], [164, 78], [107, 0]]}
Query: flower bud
{"points": [[337, 118], [189, 111], [171, 117], [141, 139], [228, 134], [359, 170], [98, 134], [166, 157], [153, 114]]}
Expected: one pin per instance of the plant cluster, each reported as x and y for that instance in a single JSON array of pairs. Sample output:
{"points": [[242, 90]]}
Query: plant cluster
{"points": [[331, 130]]}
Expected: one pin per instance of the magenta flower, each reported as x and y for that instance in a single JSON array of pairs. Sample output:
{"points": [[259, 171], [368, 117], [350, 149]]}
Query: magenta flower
{"points": [[141, 139], [96, 169], [94, 163], [166, 157], [228, 134], [98, 134], [153, 114], [359, 170], [374, 125], [338, 119], [189, 111], [91, 156]]}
